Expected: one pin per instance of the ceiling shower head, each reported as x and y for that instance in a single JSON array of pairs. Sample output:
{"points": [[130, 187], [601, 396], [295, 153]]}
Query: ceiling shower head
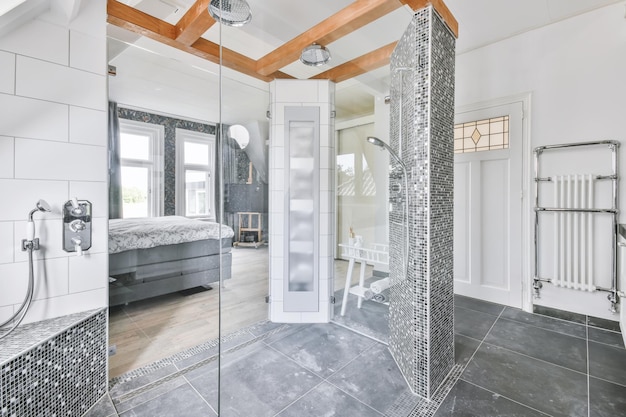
{"points": [[230, 12], [315, 55]]}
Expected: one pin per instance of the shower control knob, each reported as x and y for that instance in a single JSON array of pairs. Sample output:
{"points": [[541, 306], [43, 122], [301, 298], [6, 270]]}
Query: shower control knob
{"points": [[396, 188], [77, 226], [77, 248]]}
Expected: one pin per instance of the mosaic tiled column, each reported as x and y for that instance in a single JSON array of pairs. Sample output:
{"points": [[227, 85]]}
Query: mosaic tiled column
{"points": [[422, 119]]}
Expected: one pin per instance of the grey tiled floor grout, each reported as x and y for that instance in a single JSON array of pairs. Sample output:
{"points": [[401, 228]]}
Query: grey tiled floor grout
{"points": [[263, 339]]}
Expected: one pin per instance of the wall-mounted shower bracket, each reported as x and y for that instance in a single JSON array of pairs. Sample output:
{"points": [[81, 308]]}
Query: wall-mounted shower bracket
{"points": [[76, 226], [30, 244]]}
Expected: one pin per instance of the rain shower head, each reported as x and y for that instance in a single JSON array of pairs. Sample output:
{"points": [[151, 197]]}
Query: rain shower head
{"points": [[230, 12], [42, 205], [375, 141], [315, 55]]}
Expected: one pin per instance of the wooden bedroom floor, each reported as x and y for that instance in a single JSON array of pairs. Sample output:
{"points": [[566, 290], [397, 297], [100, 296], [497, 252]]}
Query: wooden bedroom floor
{"points": [[146, 331]]}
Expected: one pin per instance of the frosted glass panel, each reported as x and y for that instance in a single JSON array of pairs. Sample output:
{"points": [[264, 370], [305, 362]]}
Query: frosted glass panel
{"points": [[301, 198]]}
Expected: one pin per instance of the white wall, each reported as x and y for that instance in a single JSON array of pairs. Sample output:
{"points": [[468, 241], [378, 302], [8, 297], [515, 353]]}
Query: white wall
{"points": [[574, 71], [53, 138]]}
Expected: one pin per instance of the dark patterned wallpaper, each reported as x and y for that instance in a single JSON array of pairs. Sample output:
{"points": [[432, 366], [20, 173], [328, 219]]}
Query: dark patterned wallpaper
{"points": [[170, 124]]}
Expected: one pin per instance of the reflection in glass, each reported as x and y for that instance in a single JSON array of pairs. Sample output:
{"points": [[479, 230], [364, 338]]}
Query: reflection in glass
{"points": [[196, 192], [135, 191]]}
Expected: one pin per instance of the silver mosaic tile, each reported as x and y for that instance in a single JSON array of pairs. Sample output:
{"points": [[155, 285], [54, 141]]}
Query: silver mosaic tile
{"points": [[63, 375], [422, 119]]}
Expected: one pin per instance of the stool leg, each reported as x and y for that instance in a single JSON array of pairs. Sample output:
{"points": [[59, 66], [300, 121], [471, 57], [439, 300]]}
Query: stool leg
{"points": [[361, 281], [346, 289]]}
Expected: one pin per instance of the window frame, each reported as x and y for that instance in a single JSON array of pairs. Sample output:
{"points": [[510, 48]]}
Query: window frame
{"points": [[155, 165], [183, 136]]}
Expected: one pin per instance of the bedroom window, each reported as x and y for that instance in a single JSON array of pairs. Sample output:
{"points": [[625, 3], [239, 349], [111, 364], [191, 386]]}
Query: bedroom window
{"points": [[195, 175], [141, 154]]}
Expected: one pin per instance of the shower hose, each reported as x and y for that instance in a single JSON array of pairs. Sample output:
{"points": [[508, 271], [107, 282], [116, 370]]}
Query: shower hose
{"points": [[19, 315]]}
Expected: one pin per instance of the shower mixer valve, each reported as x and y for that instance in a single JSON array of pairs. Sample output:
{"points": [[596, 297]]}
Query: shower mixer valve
{"points": [[77, 226]]}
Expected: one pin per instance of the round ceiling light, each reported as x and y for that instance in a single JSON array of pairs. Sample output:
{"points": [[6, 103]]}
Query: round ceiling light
{"points": [[230, 12], [315, 55]]}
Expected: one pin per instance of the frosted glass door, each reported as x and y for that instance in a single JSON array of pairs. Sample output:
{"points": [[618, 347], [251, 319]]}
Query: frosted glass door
{"points": [[301, 220]]}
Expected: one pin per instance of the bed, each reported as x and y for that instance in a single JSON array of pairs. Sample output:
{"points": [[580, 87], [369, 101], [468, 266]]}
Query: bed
{"points": [[156, 256]]}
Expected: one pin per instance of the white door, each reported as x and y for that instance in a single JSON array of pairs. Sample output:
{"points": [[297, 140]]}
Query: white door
{"points": [[488, 206]]}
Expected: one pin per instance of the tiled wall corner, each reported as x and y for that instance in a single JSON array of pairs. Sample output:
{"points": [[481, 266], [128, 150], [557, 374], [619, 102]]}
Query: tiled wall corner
{"points": [[421, 316]]}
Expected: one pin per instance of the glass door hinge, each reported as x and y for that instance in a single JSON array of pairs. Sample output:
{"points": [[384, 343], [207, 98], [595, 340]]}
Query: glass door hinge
{"points": [[268, 299], [333, 300]]}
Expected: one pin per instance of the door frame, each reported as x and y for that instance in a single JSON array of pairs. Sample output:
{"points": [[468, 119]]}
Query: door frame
{"points": [[526, 149]]}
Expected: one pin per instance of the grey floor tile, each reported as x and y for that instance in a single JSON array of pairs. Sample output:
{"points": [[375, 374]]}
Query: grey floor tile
{"points": [[149, 395], [264, 327], [323, 348], [468, 400], [545, 322], [464, 348], [606, 399], [542, 386], [261, 383], [371, 319], [328, 401], [607, 337], [103, 408], [125, 386], [478, 305], [373, 378], [607, 362], [182, 401], [557, 348], [472, 323]]}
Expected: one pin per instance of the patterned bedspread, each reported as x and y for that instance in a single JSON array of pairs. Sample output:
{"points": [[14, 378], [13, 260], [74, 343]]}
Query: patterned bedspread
{"points": [[144, 233]]}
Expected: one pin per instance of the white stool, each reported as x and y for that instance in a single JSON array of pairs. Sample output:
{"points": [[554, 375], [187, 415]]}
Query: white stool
{"points": [[376, 253]]}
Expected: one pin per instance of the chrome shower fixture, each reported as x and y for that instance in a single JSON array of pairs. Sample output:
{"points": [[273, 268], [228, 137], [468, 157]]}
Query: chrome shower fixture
{"points": [[380, 143], [42, 205], [398, 189], [233, 13], [315, 55]]}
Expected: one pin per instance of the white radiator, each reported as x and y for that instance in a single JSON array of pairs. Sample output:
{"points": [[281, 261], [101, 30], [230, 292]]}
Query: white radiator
{"points": [[573, 232]]}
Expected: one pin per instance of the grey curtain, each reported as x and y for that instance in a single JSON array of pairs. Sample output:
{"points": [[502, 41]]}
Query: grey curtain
{"points": [[115, 172]]}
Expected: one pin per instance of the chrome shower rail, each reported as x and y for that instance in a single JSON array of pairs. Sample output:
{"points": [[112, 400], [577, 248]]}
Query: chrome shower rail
{"points": [[613, 211]]}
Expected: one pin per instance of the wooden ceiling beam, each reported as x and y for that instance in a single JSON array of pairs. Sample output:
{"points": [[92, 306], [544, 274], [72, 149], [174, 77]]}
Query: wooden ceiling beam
{"points": [[347, 20], [143, 24], [365, 63], [136, 21], [441, 9], [194, 23]]}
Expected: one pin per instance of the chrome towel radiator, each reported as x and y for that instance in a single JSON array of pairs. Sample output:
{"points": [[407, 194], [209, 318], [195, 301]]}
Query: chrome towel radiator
{"points": [[573, 212]]}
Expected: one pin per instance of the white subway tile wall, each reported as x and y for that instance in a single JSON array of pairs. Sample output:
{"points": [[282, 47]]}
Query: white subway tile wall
{"points": [[7, 81], [289, 93], [26, 41], [6, 156], [53, 146]]}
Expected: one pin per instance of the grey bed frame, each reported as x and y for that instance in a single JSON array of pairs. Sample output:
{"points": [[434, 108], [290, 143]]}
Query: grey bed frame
{"points": [[144, 273]]}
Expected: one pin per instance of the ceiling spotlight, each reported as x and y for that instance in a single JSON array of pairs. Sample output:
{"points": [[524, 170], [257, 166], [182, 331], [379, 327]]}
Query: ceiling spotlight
{"points": [[230, 12], [315, 55]]}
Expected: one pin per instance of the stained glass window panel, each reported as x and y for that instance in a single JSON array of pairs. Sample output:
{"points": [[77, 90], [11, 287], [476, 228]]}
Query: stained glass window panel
{"points": [[482, 135]]}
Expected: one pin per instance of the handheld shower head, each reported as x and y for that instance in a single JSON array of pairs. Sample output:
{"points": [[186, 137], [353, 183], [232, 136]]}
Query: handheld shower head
{"points": [[375, 141], [42, 205]]}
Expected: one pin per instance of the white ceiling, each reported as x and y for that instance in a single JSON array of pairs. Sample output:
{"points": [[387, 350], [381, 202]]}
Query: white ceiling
{"points": [[157, 77]]}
